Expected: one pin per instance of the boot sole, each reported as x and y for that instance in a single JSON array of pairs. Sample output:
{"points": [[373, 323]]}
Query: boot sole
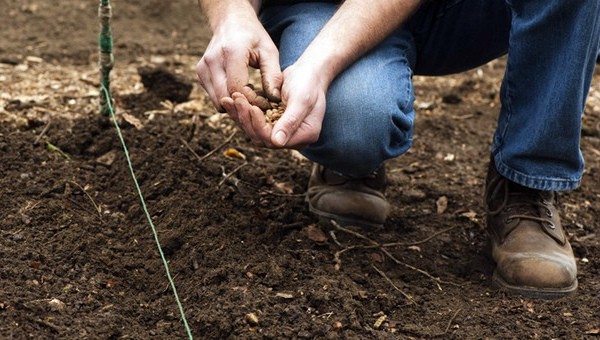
{"points": [[346, 221], [534, 292]]}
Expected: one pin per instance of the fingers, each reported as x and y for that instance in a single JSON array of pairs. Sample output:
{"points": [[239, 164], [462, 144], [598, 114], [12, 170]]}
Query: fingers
{"points": [[270, 71], [206, 82], [290, 122], [235, 68], [252, 121]]}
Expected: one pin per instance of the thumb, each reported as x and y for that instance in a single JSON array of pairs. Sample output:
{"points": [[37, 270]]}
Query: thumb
{"points": [[270, 72]]}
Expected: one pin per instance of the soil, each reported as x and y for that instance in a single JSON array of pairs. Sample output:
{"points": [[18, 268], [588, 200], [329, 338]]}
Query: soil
{"points": [[78, 258]]}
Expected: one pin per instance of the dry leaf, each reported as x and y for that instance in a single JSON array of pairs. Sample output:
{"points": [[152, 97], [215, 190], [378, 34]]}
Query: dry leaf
{"points": [[315, 234], [470, 215], [379, 321], [108, 158], [449, 157], [376, 257], [233, 153], [595, 331], [441, 204], [132, 120], [285, 295], [414, 248], [283, 188]]}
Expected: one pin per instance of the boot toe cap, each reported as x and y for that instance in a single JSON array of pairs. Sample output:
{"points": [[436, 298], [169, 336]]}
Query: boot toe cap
{"points": [[538, 272]]}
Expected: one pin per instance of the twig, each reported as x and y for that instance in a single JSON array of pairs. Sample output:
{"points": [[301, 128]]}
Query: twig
{"points": [[226, 176], [211, 152], [354, 233], [278, 194], [96, 206], [408, 297], [408, 244], [334, 238], [385, 251], [190, 149], [449, 323], [44, 130], [393, 258]]}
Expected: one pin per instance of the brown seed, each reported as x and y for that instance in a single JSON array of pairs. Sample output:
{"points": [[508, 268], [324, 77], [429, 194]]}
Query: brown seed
{"points": [[262, 103]]}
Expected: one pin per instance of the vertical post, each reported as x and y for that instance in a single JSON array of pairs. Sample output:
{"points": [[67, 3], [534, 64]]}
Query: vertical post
{"points": [[106, 59]]}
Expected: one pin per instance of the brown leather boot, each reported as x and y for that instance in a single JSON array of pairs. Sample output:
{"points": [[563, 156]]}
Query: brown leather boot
{"points": [[357, 202], [528, 243]]}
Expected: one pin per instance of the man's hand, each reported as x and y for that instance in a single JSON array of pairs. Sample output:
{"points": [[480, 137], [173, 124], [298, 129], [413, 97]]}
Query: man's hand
{"points": [[303, 93], [239, 41]]}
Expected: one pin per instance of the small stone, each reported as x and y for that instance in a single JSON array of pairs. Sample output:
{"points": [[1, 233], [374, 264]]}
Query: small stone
{"points": [[251, 319], [56, 305]]}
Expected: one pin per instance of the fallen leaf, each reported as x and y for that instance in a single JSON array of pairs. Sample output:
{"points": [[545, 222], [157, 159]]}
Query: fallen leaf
{"points": [[316, 234], [376, 257], [233, 153], [108, 158], [283, 188], [379, 321], [441, 204], [414, 248], [470, 215], [284, 295], [131, 119], [595, 331]]}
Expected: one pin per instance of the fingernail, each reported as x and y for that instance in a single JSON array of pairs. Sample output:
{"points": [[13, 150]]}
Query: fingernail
{"points": [[276, 93], [280, 138]]}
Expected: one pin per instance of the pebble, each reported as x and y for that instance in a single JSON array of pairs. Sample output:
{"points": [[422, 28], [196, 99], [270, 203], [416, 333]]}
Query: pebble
{"points": [[56, 305], [251, 319]]}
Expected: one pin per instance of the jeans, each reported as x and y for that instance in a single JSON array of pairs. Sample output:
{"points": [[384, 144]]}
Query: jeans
{"points": [[552, 47]]}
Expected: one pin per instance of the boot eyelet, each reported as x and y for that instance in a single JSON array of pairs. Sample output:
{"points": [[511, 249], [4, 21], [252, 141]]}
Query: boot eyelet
{"points": [[508, 220], [551, 225], [549, 213]]}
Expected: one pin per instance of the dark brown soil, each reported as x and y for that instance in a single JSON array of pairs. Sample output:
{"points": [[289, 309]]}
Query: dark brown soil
{"points": [[78, 259]]}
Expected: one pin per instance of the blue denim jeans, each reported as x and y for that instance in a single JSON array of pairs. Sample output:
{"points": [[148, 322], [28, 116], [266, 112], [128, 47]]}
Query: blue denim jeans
{"points": [[552, 47]]}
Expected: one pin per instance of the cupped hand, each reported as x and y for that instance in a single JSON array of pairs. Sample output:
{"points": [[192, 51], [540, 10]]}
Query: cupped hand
{"points": [[237, 43], [303, 91]]}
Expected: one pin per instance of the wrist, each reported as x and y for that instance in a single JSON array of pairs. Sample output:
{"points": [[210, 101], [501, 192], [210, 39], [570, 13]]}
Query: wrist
{"points": [[230, 12], [325, 64]]}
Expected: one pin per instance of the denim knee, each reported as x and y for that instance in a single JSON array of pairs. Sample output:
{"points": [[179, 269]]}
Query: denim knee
{"points": [[363, 128]]}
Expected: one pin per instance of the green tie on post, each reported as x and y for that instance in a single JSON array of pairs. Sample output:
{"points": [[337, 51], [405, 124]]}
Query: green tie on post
{"points": [[106, 59]]}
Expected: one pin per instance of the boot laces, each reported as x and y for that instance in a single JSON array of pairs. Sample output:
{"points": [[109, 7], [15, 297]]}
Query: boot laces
{"points": [[521, 204]]}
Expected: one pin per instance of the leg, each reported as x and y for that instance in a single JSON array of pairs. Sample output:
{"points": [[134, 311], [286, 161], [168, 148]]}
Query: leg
{"points": [[369, 115], [553, 45]]}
